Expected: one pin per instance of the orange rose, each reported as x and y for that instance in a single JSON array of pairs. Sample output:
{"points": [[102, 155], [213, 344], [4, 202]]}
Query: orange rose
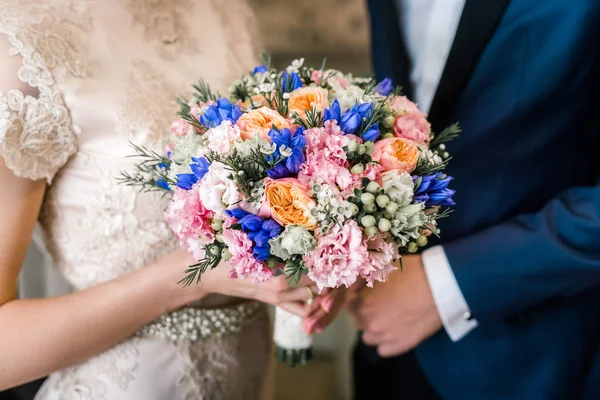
{"points": [[396, 154], [260, 121], [304, 99], [289, 202]]}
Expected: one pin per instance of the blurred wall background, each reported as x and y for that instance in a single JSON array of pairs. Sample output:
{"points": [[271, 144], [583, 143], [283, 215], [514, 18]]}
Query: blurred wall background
{"points": [[288, 29]]}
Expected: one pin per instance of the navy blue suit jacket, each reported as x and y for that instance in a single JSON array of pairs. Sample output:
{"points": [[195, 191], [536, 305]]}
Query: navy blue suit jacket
{"points": [[522, 79]]}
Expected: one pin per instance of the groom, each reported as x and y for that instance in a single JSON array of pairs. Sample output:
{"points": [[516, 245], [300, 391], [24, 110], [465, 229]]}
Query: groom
{"points": [[508, 305]]}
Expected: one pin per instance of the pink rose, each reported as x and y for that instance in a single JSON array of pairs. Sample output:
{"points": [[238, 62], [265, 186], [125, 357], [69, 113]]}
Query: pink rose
{"points": [[190, 221], [411, 123], [338, 257], [396, 154], [382, 255], [180, 127]]}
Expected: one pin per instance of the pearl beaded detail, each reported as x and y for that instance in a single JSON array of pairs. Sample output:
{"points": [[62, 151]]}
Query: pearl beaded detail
{"points": [[200, 323]]}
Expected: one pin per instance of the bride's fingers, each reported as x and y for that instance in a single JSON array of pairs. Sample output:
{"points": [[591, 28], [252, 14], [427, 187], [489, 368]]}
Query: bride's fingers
{"points": [[294, 308]]}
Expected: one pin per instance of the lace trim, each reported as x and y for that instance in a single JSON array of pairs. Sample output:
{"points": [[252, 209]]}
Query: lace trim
{"points": [[36, 134]]}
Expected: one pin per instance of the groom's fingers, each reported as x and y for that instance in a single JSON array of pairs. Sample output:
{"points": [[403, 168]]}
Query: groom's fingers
{"points": [[389, 349]]}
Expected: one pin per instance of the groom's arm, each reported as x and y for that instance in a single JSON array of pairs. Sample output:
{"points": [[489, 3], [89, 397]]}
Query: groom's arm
{"points": [[519, 264]]}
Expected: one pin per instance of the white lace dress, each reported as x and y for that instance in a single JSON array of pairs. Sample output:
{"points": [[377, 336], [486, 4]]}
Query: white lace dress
{"points": [[90, 76]]}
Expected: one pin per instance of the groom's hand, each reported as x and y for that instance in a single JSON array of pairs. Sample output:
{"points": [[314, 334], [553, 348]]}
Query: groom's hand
{"points": [[399, 314]]}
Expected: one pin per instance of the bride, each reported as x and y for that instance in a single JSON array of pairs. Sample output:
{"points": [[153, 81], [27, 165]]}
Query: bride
{"points": [[79, 79]]}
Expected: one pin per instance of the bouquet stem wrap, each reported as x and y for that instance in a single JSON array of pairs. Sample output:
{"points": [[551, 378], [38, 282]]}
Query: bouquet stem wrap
{"points": [[293, 345]]}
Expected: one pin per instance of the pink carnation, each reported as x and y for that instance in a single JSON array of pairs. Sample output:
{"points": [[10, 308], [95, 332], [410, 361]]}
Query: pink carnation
{"points": [[354, 181], [382, 254], [190, 221], [180, 127], [338, 257], [243, 264], [411, 123], [326, 160]]}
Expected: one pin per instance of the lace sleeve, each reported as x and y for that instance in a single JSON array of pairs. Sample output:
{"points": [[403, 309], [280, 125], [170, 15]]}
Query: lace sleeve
{"points": [[36, 133]]}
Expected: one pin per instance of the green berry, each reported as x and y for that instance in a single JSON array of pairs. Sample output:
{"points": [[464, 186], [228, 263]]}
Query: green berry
{"points": [[391, 207], [367, 198], [362, 149], [214, 250], [371, 231], [388, 215], [219, 238], [357, 169], [445, 155], [371, 208], [217, 224], [368, 221], [225, 254], [353, 208], [353, 145], [370, 146], [388, 135], [442, 147], [389, 120], [384, 225], [422, 241], [412, 247], [373, 187], [383, 200]]}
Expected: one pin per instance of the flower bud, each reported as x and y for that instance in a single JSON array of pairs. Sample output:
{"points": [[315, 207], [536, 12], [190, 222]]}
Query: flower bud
{"points": [[225, 254], [217, 224], [422, 241], [367, 221], [353, 145], [382, 201], [272, 262], [367, 198], [384, 225], [391, 207], [371, 231], [412, 247], [373, 187], [357, 169]]}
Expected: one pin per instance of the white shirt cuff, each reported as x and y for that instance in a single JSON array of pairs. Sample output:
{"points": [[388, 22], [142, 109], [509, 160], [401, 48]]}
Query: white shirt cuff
{"points": [[449, 300]]}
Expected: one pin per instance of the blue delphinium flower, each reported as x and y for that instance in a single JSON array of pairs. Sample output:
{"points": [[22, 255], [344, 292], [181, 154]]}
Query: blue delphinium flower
{"points": [[199, 167], [259, 69], [333, 112], [433, 190], [259, 230], [290, 82], [163, 184], [384, 87], [186, 181], [289, 146], [222, 111], [352, 118], [371, 134]]}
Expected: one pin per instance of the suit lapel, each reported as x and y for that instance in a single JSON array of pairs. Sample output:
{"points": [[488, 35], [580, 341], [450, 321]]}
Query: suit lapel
{"points": [[398, 56], [479, 21]]}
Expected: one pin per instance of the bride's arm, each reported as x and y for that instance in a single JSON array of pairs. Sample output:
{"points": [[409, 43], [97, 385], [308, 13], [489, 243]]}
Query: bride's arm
{"points": [[40, 336], [43, 335]]}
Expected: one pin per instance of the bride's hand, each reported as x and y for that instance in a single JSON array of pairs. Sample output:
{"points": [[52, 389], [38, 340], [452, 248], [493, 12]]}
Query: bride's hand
{"points": [[276, 291], [330, 304]]}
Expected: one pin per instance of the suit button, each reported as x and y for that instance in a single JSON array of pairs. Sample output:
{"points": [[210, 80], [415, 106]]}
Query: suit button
{"points": [[468, 316]]}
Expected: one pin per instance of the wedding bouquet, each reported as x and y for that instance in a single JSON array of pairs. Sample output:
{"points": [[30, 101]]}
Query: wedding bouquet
{"points": [[301, 171]]}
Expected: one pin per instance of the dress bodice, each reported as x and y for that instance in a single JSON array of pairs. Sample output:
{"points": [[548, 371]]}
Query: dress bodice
{"points": [[95, 75]]}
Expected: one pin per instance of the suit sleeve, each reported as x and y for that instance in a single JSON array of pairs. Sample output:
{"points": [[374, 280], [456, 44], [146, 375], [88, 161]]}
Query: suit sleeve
{"points": [[532, 258]]}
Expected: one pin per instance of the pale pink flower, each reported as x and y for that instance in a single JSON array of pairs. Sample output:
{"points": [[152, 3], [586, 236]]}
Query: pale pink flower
{"points": [[190, 221], [180, 127], [242, 263], [338, 257], [354, 181], [411, 123], [382, 255], [326, 160], [220, 138]]}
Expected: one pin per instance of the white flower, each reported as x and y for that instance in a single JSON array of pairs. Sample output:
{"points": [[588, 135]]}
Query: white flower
{"points": [[295, 66], [218, 190], [293, 240], [219, 138], [264, 88], [407, 221], [347, 97], [245, 148], [399, 187]]}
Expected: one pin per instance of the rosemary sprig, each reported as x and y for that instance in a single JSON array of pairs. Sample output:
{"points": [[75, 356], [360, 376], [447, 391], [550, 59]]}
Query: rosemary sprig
{"points": [[194, 272]]}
